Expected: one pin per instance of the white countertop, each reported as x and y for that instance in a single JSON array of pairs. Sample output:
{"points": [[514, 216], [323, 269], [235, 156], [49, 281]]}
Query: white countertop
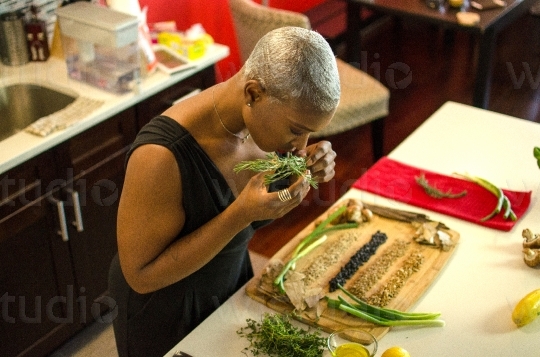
{"points": [[22, 146], [486, 276]]}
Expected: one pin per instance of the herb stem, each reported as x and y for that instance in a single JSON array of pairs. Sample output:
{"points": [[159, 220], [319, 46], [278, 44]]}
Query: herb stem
{"points": [[434, 191]]}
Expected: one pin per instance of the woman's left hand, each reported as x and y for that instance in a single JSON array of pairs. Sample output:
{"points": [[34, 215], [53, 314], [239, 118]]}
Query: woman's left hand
{"points": [[320, 160]]}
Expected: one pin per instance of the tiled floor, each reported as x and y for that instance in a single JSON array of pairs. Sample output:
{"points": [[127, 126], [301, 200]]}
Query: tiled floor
{"points": [[97, 340]]}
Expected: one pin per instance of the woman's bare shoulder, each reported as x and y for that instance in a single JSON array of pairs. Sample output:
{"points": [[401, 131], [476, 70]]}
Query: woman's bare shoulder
{"points": [[154, 168]]}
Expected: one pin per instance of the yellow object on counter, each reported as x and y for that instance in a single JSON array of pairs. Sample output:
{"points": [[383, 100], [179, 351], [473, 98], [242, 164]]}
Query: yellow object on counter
{"points": [[396, 351], [190, 49], [527, 309], [56, 45], [351, 350], [455, 3]]}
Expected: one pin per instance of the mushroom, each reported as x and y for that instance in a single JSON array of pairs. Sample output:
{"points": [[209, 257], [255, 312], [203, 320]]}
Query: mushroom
{"points": [[353, 214], [531, 257], [430, 233], [530, 240], [444, 240], [367, 215]]}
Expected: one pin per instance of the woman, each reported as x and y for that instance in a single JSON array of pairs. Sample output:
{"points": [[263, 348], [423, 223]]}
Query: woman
{"points": [[185, 218]]}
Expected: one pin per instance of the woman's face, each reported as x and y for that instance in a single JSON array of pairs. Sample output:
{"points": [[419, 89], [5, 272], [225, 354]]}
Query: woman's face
{"points": [[282, 127]]}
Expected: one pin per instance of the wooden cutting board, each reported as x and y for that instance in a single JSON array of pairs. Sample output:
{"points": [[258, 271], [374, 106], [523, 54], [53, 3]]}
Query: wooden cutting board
{"points": [[330, 319]]}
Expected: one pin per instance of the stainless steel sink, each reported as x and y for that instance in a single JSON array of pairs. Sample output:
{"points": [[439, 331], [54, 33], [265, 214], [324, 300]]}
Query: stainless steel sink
{"points": [[23, 104]]}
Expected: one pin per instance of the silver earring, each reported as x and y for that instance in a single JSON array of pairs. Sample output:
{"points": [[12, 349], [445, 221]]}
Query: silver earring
{"points": [[249, 104]]}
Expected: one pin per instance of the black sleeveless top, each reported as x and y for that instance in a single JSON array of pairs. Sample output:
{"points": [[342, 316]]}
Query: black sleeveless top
{"points": [[151, 324]]}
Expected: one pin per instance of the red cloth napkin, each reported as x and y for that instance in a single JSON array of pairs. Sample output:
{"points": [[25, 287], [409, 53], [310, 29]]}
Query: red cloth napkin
{"points": [[397, 181]]}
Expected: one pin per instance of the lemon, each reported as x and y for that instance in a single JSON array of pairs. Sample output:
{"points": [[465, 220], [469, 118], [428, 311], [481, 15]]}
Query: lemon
{"points": [[527, 309], [396, 351]]}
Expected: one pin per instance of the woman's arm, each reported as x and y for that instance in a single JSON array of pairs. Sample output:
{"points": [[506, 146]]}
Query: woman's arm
{"points": [[151, 215]]}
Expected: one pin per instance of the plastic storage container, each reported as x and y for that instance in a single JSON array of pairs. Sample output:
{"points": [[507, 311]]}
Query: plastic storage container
{"points": [[100, 46]]}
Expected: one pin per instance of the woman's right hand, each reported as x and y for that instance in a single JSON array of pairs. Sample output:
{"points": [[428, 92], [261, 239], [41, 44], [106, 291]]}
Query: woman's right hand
{"points": [[259, 204]]}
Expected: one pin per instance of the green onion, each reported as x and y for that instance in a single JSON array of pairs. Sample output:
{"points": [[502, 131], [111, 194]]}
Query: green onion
{"points": [[388, 313], [319, 230], [382, 316], [385, 322], [310, 242], [279, 281], [502, 201]]}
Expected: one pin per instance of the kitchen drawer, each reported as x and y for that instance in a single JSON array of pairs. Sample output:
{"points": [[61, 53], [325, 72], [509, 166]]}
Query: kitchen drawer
{"points": [[25, 183], [98, 144]]}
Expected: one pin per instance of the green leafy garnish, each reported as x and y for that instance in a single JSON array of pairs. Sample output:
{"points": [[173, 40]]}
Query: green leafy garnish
{"points": [[278, 167], [536, 153], [275, 336]]}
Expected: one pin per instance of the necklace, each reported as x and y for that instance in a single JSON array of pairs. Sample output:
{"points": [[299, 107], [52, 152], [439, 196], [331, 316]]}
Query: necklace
{"points": [[221, 121]]}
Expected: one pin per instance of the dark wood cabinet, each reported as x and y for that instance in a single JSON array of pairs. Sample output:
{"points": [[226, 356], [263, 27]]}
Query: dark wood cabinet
{"points": [[58, 228], [58, 237], [35, 265], [94, 162], [157, 103]]}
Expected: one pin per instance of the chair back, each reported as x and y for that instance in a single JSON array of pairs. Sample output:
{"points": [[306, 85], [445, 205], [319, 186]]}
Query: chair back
{"points": [[252, 21]]}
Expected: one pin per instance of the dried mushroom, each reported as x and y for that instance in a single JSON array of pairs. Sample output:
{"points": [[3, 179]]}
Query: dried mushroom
{"points": [[530, 240], [531, 248], [531, 257], [354, 213], [432, 234]]}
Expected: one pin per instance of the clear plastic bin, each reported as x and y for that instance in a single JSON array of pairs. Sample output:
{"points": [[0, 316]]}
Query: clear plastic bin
{"points": [[100, 46]]}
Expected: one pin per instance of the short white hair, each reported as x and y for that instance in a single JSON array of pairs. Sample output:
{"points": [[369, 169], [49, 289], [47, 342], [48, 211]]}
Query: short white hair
{"points": [[294, 64]]}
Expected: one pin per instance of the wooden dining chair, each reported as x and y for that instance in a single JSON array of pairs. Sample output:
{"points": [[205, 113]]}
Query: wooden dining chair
{"points": [[364, 100]]}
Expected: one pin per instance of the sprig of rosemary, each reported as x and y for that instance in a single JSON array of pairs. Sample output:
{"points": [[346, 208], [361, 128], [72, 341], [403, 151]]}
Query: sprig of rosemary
{"points": [[434, 191], [275, 336], [278, 167]]}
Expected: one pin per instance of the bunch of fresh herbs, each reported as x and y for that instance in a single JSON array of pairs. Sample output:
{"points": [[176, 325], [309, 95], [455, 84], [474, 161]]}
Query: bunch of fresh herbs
{"points": [[278, 168], [276, 336]]}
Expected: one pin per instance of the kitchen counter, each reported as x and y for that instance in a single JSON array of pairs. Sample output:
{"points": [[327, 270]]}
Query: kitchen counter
{"points": [[478, 288], [22, 146]]}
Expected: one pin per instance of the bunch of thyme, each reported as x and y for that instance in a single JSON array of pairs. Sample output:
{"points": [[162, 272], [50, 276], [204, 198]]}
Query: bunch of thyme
{"points": [[279, 167], [275, 336]]}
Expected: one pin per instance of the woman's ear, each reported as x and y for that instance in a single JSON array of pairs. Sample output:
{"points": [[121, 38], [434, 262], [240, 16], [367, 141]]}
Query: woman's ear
{"points": [[253, 92]]}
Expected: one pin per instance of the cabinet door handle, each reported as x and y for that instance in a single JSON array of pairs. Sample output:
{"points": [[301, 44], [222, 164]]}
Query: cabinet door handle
{"points": [[63, 232], [78, 223]]}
